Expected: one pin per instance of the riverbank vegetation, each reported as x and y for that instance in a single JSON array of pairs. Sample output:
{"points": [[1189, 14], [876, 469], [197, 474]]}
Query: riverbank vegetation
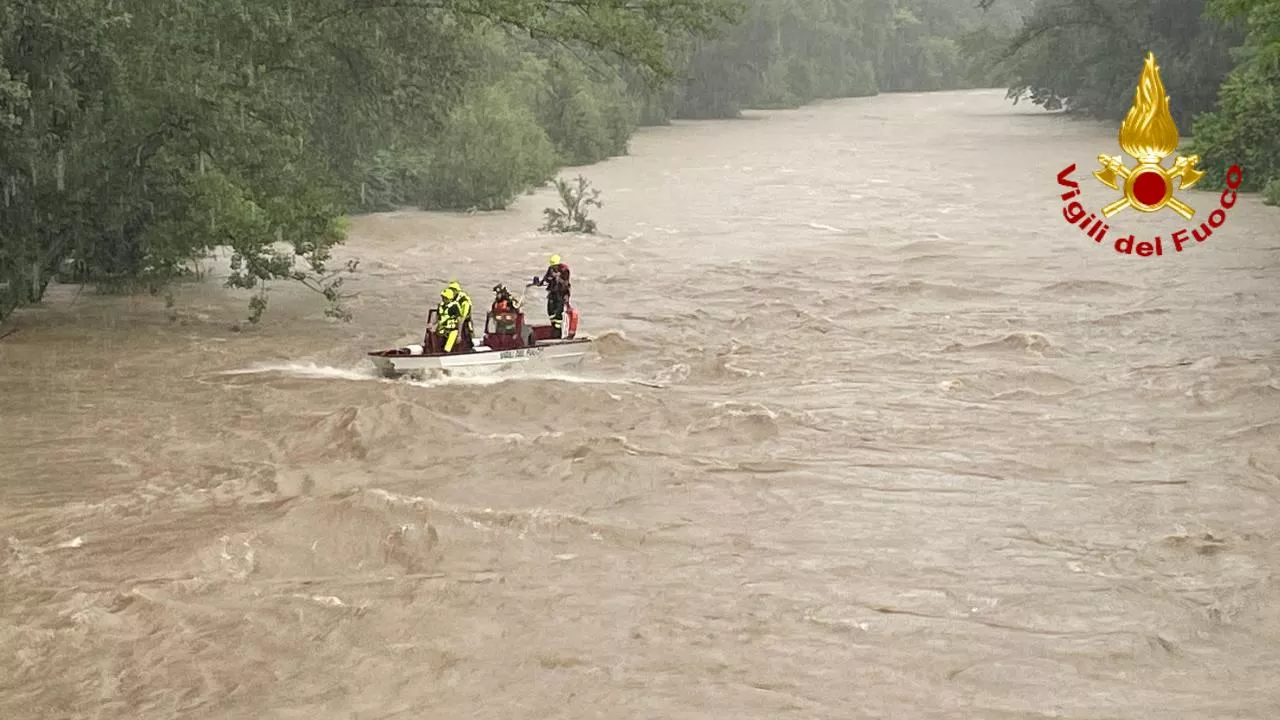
{"points": [[139, 135], [1220, 60]]}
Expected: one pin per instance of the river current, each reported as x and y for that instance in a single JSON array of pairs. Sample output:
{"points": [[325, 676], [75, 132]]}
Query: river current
{"points": [[872, 432]]}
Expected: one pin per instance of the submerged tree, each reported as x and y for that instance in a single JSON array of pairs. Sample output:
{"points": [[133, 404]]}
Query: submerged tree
{"points": [[571, 217]]}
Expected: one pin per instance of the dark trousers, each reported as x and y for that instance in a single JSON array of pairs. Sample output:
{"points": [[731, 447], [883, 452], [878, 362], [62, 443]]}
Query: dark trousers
{"points": [[555, 311]]}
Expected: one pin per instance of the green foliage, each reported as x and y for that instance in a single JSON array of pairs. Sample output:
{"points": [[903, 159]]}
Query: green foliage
{"points": [[785, 53], [1242, 130], [531, 107], [137, 135], [1219, 58], [488, 153], [1271, 193], [571, 217], [392, 178], [587, 119], [1086, 55], [638, 33]]}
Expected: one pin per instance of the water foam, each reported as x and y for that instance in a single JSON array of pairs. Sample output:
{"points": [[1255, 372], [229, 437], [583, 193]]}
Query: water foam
{"points": [[517, 374], [305, 370], [510, 374]]}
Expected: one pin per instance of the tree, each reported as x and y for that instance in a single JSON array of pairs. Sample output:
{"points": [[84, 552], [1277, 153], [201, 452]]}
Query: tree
{"points": [[1242, 130], [138, 134]]}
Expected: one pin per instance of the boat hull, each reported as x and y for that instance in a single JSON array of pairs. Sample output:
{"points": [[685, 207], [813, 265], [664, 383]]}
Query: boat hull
{"points": [[412, 361]]}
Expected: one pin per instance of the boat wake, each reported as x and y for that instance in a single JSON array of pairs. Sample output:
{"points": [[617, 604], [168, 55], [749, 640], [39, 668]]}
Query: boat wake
{"points": [[505, 375], [306, 370]]}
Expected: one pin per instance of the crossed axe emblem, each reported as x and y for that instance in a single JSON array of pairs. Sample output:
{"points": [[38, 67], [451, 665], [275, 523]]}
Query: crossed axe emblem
{"points": [[1184, 168]]}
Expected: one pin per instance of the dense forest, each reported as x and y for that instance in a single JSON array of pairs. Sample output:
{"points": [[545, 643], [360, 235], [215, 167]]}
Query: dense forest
{"points": [[137, 135]]}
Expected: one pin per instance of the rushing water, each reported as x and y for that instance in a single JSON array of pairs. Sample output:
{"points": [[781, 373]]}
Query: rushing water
{"points": [[917, 449]]}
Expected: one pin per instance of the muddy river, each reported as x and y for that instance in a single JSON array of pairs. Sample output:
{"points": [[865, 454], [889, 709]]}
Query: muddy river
{"points": [[871, 432]]}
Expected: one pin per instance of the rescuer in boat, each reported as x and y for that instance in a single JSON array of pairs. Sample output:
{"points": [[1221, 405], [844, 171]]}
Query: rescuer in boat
{"points": [[451, 317], [556, 280], [504, 310], [464, 301], [502, 300]]}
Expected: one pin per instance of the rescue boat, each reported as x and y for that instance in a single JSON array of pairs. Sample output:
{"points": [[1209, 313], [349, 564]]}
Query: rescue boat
{"points": [[508, 340]]}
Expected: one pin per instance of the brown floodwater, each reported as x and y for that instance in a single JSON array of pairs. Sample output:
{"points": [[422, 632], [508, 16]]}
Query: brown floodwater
{"points": [[908, 446]]}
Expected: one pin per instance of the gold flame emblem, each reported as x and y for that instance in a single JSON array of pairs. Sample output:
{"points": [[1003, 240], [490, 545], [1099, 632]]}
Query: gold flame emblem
{"points": [[1148, 135]]}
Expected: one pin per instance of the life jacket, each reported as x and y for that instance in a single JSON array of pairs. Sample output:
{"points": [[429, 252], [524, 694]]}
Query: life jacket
{"points": [[448, 313]]}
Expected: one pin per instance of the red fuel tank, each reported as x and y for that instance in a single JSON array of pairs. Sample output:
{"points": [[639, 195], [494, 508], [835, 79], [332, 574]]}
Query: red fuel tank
{"points": [[573, 322]]}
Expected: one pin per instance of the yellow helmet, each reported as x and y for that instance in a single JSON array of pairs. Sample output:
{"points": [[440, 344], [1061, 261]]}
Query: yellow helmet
{"points": [[453, 285], [554, 260], [448, 293]]}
